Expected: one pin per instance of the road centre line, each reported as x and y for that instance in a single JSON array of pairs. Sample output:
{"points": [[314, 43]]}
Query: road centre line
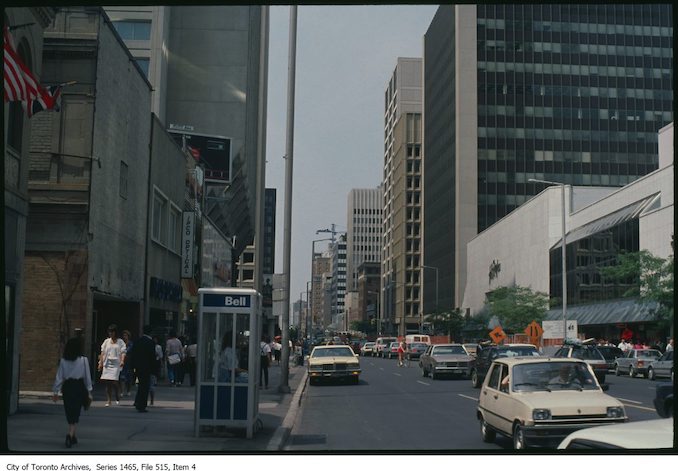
{"points": [[397, 374], [381, 368], [421, 382], [640, 407], [628, 400], [468, 397]]}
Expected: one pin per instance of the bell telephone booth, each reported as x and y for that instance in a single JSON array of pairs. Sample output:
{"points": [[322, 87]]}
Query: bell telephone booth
{"points": [[229, 332]]}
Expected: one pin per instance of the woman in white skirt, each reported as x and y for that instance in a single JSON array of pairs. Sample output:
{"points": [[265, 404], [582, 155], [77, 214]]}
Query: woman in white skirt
{"points": [[111, 361]]}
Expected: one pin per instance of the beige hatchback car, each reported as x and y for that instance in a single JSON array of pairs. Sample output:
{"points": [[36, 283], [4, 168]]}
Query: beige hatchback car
{"points": [[539, 401]]}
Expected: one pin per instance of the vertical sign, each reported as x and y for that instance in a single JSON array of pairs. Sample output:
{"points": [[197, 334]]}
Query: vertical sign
{"points": [[187, 231]]}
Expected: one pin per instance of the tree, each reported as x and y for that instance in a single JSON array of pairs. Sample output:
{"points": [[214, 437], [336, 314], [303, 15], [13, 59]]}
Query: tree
{"points": [[517, 306], [450, 322], [363, 326], [648, 278]]}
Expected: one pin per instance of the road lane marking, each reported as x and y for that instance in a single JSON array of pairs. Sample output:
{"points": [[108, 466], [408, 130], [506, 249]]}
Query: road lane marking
{"points": [[397, 374], [381, 368], [469, 397], [639, 407], [628, 400], [421, 382]]}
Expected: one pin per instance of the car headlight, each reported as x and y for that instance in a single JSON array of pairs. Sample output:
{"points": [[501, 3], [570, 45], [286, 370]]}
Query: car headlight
{"points": [[541, 414], [615, 412]]}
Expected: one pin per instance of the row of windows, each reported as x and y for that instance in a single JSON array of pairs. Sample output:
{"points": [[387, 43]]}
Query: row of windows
{"points": [[166, 222], [366, 211], [571, 27], [564, 156], [566, 134], [133, 30], [574, 69], [574, 113], [572, 91], [498, 45], [520, 180]]}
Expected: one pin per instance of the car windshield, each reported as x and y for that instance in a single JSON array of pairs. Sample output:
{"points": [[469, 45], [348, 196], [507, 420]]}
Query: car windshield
{"points": [[553, 376], [418, 345], [587, 354], [517, 352], [449, 350], [648, 354], [332, 352]]}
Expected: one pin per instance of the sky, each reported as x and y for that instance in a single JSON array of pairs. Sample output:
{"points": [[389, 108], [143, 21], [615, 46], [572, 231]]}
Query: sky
{"points": [[345, 57]]}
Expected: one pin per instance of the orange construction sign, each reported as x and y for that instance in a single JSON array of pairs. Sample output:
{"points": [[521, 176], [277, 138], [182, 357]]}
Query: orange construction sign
{"points": [[534, 330], [497, 335]]}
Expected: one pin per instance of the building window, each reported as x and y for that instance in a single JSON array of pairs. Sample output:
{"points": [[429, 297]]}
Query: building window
{"points": [[133, 30], [143, 64], [123, 179], [159, 217], [174, 229]]}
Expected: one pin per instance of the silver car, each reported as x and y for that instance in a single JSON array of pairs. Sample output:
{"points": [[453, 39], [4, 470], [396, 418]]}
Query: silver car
{"points": [[661, 368], [636, 361], [445, 358]]}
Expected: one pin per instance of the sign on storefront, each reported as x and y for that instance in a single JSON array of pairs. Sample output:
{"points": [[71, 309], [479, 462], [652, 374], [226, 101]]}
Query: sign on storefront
{"points": [[187, 236], [554, 329]]}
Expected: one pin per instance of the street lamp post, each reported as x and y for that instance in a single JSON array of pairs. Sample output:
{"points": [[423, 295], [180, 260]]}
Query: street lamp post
{"points": [[421, 324], [563, 249]]}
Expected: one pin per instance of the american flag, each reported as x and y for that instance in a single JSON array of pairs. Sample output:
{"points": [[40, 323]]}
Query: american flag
{"points": [[21, 85]]}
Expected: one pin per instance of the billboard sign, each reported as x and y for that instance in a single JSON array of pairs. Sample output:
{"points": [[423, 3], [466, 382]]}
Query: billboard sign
{"points": [[554, 329], [213, 153]]}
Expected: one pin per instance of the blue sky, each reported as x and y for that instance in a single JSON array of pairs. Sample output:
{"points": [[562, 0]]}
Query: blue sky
{"points": [[345, 56]]}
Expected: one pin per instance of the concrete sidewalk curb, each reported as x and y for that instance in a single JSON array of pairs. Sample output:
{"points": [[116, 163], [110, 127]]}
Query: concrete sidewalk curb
{"points": [[283, 432]]}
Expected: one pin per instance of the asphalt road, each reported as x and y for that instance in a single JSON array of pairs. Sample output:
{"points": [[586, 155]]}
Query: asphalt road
{"points": [[397, 409]]}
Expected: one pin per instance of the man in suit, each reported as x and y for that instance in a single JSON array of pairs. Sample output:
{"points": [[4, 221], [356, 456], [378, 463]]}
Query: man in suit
{"points": [[143, 362]]}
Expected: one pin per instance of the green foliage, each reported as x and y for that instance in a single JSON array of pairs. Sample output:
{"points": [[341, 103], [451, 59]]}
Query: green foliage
{"points": [[516, 306], [363, 326], [650, 277], [450, 322]]}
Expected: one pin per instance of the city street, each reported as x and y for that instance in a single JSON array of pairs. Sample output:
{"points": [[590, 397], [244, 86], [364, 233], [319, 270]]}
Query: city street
{"points": [[397, 409]]}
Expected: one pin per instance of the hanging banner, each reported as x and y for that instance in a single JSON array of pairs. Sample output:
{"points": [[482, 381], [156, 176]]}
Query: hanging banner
{"points": [[187, 240]]}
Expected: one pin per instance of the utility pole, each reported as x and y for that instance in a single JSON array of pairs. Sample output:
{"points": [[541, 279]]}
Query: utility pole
{"points": [[289, 150]]}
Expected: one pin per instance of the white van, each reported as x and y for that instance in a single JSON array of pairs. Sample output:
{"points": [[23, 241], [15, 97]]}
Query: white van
{"points": [[380, 344], [417, 338]]}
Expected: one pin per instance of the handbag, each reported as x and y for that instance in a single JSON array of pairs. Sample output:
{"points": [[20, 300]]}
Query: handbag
{"points": [[173, 359]]}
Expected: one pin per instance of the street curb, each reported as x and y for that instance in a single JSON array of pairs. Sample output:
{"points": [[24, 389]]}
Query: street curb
{"points": [[283, 432], [35, 394]]}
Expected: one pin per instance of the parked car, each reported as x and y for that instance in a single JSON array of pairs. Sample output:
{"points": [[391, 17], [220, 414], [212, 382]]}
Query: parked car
{"points": [[391, 351], [662, 367], [367, 349], [588, 352], [381, 343], [539, 401], [487, 354], [445, 358], [663, 400], [641, 435], [610, 353], [333, 361], [415, 350], [636, 361]]}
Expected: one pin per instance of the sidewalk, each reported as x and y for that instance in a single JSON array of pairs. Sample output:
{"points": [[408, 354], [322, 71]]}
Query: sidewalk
{"points": [[40, 425]]}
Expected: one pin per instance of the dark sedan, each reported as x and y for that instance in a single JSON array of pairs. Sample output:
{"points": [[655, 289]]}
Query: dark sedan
{"points": [[415, 349], [663, 401], [610, 354]]}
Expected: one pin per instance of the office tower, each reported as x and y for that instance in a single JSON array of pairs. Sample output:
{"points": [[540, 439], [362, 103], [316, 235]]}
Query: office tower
{"points": [[401, 239], [338, 282], [364, 230], [566, 93], [322, 265]]}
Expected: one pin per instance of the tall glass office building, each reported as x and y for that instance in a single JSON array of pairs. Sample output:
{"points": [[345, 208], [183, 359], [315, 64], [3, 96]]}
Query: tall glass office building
{"points": [[567, 93]]}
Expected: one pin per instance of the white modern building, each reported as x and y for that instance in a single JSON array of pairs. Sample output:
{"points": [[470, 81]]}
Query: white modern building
{"points": [[524, 247], [364, 224]]}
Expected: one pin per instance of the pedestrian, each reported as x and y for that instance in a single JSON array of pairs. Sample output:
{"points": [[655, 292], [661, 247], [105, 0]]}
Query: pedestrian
{"points": [[144, 364], [669, 347], [174, 354], [623, 346], [156, 369], [75, 384], [265, 355], [191, 359], [111, 361], [401, 353], [277, 348], [127, 373]]}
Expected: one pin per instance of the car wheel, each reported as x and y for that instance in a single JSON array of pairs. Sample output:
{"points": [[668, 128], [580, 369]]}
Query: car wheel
{"points": [[424, 373], [650, 374], [486, 432], [632, 372], [474, 379], [519, 438], [434, 376], [312, 381], [616, 370]]}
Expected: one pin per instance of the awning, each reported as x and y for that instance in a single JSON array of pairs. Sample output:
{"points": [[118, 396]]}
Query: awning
{"points": [[612, 312], [625, 214]]}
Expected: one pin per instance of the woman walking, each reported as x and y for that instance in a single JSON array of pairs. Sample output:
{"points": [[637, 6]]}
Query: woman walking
{"points": [[111, 361], [75, 383], [174, 352]]}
